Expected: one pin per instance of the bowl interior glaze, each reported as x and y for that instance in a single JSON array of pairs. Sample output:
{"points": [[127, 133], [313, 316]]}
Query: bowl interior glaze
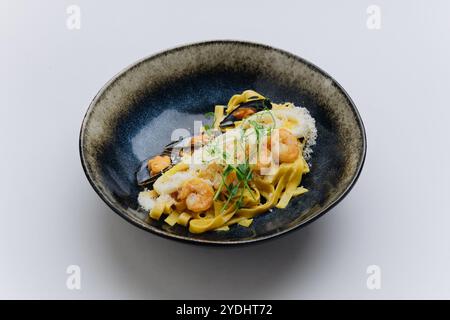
{"points": [[134, 115]]}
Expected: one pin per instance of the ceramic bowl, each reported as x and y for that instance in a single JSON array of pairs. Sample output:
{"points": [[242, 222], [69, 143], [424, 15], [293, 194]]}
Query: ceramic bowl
{"points": [[134, 114]]}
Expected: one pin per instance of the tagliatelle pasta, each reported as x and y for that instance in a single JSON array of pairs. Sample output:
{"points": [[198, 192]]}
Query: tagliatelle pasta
{"points": [[251, 159]]}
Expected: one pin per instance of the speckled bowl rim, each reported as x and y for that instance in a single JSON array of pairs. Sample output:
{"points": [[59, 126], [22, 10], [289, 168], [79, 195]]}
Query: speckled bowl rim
{"points": [[154, 230]]}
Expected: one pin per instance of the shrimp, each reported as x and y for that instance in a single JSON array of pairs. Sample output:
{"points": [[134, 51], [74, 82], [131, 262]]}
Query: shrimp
{"points": [[199, 140], [198, 195], [213, 172], [260, 155], [158, 164], [263, 161], [287, 145]]}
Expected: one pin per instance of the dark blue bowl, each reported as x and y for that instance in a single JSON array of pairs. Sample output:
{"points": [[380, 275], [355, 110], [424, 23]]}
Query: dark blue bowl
{"points": [[135, 113]]}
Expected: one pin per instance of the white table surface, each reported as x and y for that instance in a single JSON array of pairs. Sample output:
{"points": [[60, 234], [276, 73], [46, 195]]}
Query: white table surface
{"points": [[396, 217]]}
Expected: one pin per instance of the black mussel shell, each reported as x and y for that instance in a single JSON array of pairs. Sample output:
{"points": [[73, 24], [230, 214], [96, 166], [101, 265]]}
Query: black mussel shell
{"points": [[144, 177], [255, 105]]}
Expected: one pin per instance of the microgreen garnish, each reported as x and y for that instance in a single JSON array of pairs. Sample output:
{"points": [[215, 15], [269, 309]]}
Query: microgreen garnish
{"points": [[243, 175], [209, 115], [243, 171]]}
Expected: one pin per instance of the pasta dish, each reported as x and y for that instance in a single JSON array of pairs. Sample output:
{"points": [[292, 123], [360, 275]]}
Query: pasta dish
{"points": [[249, 159]]}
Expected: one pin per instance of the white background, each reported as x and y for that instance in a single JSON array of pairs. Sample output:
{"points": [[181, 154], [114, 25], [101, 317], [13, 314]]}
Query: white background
{"points": [[397, 216]]}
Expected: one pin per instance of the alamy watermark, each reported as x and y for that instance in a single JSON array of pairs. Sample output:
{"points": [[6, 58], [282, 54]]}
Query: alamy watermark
{"points": [[373, 281], [73, 20], [373, 21], [260, 146], [73, 281]]}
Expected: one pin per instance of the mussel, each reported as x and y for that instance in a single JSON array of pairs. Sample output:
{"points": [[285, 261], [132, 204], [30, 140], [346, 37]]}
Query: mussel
{"points": [[145, 177], [174, 151], [245, 110]]}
